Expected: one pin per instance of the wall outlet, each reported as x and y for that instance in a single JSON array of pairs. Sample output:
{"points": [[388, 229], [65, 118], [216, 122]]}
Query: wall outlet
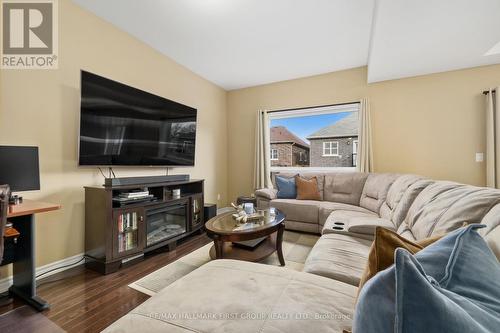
{"points": [[218, 196], [479, 157]]}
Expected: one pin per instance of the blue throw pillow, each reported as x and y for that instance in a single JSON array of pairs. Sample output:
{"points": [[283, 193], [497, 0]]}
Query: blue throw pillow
{"points": [[286, 188], [376, 307], [452, 285]]}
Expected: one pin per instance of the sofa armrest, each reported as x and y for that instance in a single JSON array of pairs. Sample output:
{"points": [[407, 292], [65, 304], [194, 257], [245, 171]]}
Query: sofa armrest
{"points": [[367, 225], [266, 193]]}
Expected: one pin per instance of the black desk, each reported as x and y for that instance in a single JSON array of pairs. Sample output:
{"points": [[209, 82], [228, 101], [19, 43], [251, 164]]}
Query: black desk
{"points": [[22, 216]]}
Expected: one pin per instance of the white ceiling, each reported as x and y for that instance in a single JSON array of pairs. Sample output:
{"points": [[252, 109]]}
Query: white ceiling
{"points": [[242, 43], [419, 37]]}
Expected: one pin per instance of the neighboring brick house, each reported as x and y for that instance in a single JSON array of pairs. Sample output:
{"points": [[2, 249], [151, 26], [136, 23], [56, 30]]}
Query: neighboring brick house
{"points": [[335, 145], [287, 149]]}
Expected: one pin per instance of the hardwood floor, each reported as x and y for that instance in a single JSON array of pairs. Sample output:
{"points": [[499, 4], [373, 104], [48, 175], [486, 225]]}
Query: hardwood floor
{"points": [[85, 301]]}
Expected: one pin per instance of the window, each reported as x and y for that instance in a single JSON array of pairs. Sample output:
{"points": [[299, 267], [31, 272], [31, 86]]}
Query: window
{"points": [[317, 137], [274, 154], [331, 148]]}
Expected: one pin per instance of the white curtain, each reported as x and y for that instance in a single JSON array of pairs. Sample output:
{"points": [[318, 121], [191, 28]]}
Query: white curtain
{"points": [[262, 167], [365, 150], [492, 139]]}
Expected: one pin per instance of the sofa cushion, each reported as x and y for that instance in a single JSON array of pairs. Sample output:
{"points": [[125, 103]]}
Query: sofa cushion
{"points": [[445, 206], [307, 189], [320, 178], [326, 208], [375, 308], [444, 310], [258, 298], [344, 187], [381, 254], [459, 283], [298, 210], [453, 285], [344, 218], [375, 190], [286, 188], [401, 210], [281, 174], [339, 257], [400, 196]]}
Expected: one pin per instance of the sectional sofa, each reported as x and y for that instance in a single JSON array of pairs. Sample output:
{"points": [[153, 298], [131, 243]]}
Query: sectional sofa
{"points": [[237, 296]]}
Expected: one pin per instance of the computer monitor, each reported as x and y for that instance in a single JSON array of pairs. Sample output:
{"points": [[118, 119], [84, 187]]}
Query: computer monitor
{"points": [[19, 168]]}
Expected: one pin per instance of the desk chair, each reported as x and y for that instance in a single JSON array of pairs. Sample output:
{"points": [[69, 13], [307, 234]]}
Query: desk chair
{"points": [[4, 206]]}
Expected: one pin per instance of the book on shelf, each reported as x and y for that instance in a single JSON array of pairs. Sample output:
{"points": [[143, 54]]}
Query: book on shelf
{"points": [[127, 221], [134, 194], [126, 241], [132, 199]]}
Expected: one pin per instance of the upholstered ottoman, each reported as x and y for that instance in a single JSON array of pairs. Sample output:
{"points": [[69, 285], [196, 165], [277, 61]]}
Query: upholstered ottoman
{"points": [[238, 296]]}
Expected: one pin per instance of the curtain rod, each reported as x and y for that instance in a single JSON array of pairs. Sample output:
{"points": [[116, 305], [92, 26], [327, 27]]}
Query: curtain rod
{"points": [[313, 107], [486, 92]]}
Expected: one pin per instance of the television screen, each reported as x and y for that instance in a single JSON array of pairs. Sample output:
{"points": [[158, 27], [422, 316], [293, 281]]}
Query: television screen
{"points": [[122, 125]]}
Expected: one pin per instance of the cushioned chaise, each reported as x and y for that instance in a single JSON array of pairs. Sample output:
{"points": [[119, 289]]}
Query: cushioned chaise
{"points": [[237, 296]]}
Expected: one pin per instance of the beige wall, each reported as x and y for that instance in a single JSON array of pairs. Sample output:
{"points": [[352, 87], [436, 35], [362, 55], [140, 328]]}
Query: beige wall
{"points": [[42, 108], [430, 125]]}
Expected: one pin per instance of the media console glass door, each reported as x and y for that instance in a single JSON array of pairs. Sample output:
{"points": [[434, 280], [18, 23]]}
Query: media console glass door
{"points": [[197, 211], [166, 222], [128, 235]]}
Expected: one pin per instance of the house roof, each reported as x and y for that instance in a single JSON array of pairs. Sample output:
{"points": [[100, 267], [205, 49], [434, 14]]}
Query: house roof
{"points": [[347, 126], [280, 134]]}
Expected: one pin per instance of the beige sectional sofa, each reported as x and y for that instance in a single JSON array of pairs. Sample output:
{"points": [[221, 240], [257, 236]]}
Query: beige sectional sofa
{"points": [[345, 197], [236, 296]]}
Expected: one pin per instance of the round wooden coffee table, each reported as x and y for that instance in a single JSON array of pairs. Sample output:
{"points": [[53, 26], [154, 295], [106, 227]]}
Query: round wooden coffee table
{"points": [[225, 230]]}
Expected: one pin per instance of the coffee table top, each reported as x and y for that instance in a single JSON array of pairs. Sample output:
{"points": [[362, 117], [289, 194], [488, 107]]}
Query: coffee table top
{"points": [[225, 224]]}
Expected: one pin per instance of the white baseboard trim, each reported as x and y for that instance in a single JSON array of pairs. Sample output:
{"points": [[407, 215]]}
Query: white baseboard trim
{"points": [[57, 266]]}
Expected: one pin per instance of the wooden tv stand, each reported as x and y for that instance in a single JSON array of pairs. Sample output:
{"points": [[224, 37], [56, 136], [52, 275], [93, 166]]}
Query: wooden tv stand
{"points": [[116, 234]]}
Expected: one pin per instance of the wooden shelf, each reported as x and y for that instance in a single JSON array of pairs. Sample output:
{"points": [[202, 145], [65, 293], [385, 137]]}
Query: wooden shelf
{"points": [[260, 252]]}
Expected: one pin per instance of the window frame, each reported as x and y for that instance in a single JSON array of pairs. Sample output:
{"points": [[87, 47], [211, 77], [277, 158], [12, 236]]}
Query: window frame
{"points": [[277, 155], [331, 149], [354, 106]]}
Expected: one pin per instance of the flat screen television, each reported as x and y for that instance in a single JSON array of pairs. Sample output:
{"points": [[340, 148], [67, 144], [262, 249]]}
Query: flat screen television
{"points": [[122, 125]]}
